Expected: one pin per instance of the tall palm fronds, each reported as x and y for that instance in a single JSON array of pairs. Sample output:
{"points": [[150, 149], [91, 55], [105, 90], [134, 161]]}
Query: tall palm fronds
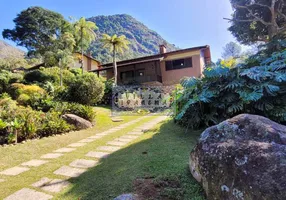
{"points": [[84, 32], [115, 44]]}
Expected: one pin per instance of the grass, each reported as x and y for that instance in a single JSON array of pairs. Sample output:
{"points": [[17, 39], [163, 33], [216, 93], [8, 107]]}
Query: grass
{"points": [[161, 153]]}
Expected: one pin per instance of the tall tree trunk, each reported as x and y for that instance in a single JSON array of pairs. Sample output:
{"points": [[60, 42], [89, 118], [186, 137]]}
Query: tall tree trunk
{"points": [[114, 65], [81, 38]]}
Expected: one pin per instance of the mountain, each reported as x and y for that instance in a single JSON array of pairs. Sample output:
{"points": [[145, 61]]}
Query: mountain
{"points": [[143, 41], [6, 51]]}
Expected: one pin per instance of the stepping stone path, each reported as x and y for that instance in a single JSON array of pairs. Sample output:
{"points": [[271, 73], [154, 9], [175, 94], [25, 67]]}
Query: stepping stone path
{"points": [[82, 163], [97, 154], [51, 185], [86, 140], [14, 171], [78, 166], [34, 163], [64, 150], [108, 148], [117, 143], [77, 144], [69, 171], [52, 155], [28, 194]]}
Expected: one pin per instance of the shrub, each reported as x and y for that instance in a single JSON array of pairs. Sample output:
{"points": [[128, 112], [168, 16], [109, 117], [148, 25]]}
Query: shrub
{"points": [[54, 73], [31, 95], [86, 112], [38, 76], [257, 87], [86, 89], [52, 124], [7, 78]]}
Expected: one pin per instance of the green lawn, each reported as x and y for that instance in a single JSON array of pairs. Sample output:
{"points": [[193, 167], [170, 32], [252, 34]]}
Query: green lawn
{"points": [[160, 154]]}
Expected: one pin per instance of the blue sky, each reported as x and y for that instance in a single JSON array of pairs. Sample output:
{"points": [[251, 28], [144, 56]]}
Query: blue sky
{"points": [[185, 23]]}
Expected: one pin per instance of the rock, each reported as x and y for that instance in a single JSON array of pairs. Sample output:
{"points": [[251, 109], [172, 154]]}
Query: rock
{"points": [[77, 121], [127, 197], [242, 158], [116, 119]]}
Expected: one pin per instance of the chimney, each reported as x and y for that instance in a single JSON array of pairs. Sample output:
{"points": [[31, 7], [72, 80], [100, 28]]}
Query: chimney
{"points": [[163, 49]]}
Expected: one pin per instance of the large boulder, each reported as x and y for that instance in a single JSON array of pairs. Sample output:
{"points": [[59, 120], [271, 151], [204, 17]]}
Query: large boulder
{"points": [[242, 158], [77, 121]]}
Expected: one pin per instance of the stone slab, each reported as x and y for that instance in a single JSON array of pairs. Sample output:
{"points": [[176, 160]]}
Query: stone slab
{"points": [[52, 155], [14, 171], [117, 143], [86, 140], [108, 148], [123, 140], [135, 133], [34, 163], [82, 163], [69, 171], [28, 194], [64, 150], [96, 136], [1, 180], [97, 154], [51, 185], [129, 136], [77, 144]]}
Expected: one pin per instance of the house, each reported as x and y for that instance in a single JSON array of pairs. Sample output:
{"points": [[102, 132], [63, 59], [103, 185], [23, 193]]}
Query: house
{"points": [[89, 63], [165, 68]]}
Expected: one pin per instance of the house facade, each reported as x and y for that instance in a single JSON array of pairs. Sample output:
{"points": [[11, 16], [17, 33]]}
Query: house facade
{"points": [[165, 68], [89, 63]]}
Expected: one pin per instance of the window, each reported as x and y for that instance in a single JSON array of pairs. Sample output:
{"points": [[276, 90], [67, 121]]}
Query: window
{"points": [[179, 64], [126, 75]]}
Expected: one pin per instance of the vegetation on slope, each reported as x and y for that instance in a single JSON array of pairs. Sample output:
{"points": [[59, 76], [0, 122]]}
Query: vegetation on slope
{"points": [[143, 41]]}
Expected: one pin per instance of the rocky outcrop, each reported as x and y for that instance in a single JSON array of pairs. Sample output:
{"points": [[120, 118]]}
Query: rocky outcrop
{"points": [[77, 121], [242, 158]]}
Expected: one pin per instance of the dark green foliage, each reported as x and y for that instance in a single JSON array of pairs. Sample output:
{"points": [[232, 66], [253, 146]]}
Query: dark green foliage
{"points": [[86, 89], [253, 21], [86, 112], [143, 40], [7, 78], [38, 76], [256, 87], [34, 28]]}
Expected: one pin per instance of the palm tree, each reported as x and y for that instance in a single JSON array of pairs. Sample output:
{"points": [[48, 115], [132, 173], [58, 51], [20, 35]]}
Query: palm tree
{"points": [[115, 44], [84, 31]]}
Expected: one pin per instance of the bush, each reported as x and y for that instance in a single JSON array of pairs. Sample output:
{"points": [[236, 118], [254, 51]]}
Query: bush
{"points": [[31, 95], [86, 112], [86, 89], [107, 97], [38, 76], [52, 124], [7, 78], [257, 87], [54, 72]]}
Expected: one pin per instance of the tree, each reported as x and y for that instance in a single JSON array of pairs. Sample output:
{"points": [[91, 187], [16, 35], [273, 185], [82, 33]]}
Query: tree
{"points": [[84, 34], [115, 44], [231, 49], [36, 29], [258, 20]]}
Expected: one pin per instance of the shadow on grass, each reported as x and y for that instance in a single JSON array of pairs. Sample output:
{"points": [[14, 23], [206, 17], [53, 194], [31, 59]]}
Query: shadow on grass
{"points": [[165, 155]]}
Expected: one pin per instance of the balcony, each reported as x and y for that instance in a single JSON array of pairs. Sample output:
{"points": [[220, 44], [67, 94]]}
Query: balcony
{"points": [[140, 79]]}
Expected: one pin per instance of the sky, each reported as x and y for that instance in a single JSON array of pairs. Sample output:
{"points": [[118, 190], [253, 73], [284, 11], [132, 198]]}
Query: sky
{"points": [[185, 23]]}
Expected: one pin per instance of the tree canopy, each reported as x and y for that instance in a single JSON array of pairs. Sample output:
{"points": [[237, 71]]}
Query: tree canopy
{"points": [[258, 20], [37, 29], [231, 49]]}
